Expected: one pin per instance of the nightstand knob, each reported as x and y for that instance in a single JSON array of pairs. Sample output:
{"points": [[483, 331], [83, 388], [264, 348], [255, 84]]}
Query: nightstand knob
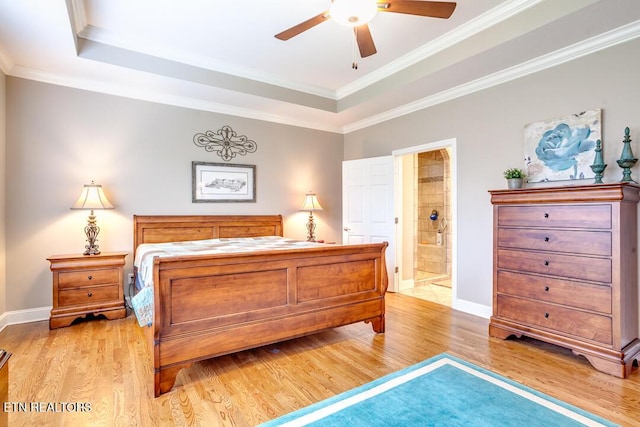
{"points": [[90, 277], [546, 239], [546, 289], [546, 215], [90, 294], [546, 263], [546, 315]]}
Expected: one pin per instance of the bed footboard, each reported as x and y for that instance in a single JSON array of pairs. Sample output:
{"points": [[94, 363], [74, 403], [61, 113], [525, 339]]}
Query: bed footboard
{"points": [[210, 305]]}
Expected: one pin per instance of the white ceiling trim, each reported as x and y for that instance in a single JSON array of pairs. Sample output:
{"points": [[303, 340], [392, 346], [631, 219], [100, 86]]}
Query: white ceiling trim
{"points": [[77, 14], [99, 36], [6, 64], [163, 98], [586, 47], [488, 19], [469, 29]]}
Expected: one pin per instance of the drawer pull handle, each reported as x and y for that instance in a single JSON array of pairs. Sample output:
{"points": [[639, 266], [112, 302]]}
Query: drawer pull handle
{"points": [[546, 289], [546, 315], [546, 239], [90, 277], [546, 263], [90, 294], [546, 215]]}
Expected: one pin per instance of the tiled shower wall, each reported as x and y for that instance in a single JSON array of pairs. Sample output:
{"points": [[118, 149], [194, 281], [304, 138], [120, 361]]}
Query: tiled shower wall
{"points": [[433, 192]]}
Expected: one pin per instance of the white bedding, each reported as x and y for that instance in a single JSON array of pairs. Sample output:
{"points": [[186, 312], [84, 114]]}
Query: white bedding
{"points": [[145, 253]]}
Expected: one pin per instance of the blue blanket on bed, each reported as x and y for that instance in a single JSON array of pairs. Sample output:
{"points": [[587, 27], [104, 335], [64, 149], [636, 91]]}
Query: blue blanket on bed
{"points": [[143, 306]]}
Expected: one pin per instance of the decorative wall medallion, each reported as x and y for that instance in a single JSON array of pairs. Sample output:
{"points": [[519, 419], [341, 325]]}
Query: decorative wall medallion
{"points": [[225, 142]]}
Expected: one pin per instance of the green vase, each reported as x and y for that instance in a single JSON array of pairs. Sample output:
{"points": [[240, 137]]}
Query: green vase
{"points": [[626, 160], [598, 165]]}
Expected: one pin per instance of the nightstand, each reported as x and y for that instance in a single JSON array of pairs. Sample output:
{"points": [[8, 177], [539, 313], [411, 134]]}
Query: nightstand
{"points": [[87, 284]]}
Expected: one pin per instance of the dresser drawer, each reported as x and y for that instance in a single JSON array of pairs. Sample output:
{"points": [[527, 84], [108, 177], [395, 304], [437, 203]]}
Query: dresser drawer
{"points": [[562, 216], [569, 241], [555, 318], [574, 267], [559, 291], [94, 277], [89, 295]]}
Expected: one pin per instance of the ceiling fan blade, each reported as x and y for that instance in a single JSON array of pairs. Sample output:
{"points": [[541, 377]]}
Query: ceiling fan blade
{"points": [[365, 41], [434, 9], [303, 26]]}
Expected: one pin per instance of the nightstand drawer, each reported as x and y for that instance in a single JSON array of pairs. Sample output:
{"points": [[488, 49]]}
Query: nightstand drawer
{"points": [[88, 295], [81, 278]]}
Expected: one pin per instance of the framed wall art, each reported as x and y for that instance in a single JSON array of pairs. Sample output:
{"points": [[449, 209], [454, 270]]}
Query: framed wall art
{"points": [[223, 183], [562, 149]]}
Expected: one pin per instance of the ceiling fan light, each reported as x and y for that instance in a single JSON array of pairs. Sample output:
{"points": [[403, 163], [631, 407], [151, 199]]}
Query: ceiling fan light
{"points": [[353, 13]]}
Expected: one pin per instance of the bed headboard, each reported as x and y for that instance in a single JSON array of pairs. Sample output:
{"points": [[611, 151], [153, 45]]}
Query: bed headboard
{"points": [[179, 228]]}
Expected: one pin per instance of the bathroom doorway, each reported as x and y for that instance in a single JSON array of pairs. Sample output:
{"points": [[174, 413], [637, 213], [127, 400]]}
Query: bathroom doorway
{"points": [[427, 221], [432, 204]]}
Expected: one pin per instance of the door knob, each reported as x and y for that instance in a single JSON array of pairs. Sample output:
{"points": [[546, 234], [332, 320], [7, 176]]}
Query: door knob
{"points": [[347, 229]]}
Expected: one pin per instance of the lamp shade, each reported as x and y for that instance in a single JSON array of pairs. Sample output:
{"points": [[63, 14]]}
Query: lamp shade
{"points": [[92, 197], [311, 203], [353, 13]]}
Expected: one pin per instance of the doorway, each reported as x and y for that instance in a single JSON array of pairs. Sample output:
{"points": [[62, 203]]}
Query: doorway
{"points": [[425, 207]]}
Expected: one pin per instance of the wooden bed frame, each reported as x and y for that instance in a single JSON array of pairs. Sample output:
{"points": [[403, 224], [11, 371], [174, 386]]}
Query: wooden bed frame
{"points": [[210, 305]]}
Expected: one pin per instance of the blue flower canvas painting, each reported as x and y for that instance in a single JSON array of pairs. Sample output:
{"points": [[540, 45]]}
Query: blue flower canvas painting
{"points": [[562, 149]]}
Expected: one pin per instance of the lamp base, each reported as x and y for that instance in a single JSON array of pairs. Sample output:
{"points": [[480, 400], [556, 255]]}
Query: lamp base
{"points": [[91, 250], [91, 230], [311, 228]]}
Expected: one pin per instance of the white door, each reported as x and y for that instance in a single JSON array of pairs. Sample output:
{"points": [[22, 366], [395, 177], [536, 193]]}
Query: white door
{"points": [[367, 206]]}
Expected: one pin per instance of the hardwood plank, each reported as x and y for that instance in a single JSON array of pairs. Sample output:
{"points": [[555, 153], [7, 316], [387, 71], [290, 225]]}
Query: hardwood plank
{"points": [[107, 364]]}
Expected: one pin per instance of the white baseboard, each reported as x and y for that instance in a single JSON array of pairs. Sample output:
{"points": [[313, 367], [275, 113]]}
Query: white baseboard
{"points": [[24, 316], [3, 321], [473, 308], [42, 313]]}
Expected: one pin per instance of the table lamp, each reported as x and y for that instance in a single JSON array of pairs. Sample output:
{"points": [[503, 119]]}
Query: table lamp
{"points": [[92, 197], [311, 204]]}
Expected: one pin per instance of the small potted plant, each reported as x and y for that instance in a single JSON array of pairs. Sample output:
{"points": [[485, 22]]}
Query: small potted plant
{"points": [[515, 177]]}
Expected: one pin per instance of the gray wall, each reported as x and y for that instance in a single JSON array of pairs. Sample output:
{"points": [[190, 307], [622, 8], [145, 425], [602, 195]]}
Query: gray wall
{"points": [[488, 127], [59, 139]]}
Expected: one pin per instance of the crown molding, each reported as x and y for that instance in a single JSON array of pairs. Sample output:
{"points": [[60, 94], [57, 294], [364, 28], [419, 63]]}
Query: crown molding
{"points": [[97, 35], [586, 47], [597, 43], [474, 26], [163, 98], [492, 17], [77, 19], [6, 64]]}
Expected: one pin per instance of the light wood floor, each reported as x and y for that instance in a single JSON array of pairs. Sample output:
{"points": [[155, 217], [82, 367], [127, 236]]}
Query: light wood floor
{"points": [[106, 364]]}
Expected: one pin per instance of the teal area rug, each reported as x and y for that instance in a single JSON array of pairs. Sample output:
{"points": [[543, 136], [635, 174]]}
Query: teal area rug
{"points": [[441, 391]]}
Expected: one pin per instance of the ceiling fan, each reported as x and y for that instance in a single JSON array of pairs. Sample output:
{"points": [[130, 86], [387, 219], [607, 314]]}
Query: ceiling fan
{"points": [[358, 13]]}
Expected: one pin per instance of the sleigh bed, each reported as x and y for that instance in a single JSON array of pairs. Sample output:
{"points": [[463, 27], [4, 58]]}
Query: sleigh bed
{"points": [[211, 304]]}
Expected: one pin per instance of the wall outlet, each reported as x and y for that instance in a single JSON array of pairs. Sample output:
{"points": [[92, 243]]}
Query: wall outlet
{"points": [[130, 278]]}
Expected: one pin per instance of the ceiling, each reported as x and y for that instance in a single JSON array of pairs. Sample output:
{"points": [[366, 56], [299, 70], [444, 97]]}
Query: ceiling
{"points": [[222, 56]]}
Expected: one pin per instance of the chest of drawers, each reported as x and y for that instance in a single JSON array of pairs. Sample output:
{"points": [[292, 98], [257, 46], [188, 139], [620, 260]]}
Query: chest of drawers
{"points": [[87, 284], [566, 270]]}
